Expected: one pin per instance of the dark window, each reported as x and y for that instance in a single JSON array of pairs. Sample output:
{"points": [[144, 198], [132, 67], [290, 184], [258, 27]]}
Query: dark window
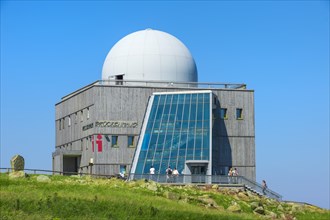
{"points": [[239, 113], [114, 140], [130, 141], [119, 79], [223, 113]]}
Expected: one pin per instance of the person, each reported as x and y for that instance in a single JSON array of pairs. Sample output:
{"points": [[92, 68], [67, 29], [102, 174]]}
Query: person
{"points": [[175, 174], [235, 174], [152, 172], [230, 174], [168, 174], [264, 187]]}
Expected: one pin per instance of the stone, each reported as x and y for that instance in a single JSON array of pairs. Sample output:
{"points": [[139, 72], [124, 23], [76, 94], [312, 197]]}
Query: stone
{"points": [[254, 205], [259, 210], [17, 163], [43, 178], [152, 187], [270, 214], [17, 174], [209, 202], [234, 208], [215, 186], [243, 196]]}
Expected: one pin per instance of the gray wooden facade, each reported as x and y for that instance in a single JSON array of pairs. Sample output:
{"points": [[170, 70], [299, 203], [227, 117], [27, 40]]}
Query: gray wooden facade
{"points": [[87, 120]]}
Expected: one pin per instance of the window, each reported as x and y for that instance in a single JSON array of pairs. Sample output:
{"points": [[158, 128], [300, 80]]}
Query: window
{"points": [[76, 118], [130, 141], [69, 122], [114, 140], [63, 120], [87, 113], [119, 80], [223, 113], [59, 124], [239, 113], [81, 115]]}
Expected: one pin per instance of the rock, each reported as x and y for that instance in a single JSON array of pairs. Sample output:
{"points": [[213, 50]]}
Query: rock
{"points": [[17, 163], [270, 214], [243, 196], [152, 187], [17, 174], [215, 186], [254, 205], [234, 208], [259, 210], [209, 202], [43, 178]]}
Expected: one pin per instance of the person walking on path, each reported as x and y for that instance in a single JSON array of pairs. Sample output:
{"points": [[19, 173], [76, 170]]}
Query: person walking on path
{"points": [[168, 174], [264, 187], [151, 172], [175, 174]]}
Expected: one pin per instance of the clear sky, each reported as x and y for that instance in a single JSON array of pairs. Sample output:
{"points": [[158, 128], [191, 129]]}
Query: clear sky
{"points": [[280, 49]]}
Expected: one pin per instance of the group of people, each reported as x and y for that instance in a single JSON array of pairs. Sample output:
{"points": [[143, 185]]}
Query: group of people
{"points": [[232, 174], [171, 174]]}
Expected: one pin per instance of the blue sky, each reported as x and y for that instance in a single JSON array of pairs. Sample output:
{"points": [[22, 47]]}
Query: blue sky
{"points": [[279, 49]]}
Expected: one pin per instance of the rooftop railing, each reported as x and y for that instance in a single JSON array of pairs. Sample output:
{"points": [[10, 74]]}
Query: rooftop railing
{"points": [[161, 84]]}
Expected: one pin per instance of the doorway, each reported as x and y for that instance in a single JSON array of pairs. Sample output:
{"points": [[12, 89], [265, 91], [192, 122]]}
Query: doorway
{"points": [[198, 174]]}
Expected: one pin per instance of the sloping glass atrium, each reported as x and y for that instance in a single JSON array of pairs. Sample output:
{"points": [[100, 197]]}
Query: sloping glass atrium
{"points": [[176, 132]]}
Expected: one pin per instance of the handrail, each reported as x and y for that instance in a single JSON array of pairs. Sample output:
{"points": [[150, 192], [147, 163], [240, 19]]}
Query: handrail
{"points": [[159, 83]]}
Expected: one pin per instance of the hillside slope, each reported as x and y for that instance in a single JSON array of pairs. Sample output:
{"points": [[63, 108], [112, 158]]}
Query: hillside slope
{"points": [[62, 197]]}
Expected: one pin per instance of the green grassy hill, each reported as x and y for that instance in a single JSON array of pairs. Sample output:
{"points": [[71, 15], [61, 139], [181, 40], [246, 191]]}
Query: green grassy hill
{"points": [[62, 197]]}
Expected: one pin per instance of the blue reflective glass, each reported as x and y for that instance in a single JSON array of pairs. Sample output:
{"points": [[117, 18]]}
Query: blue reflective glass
{"points": [[139, 168], [193, 112], [179, 128], [145, 142]]}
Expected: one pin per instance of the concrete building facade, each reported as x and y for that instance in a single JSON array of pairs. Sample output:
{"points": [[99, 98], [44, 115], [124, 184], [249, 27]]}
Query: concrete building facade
{"points": [[98, 127]]}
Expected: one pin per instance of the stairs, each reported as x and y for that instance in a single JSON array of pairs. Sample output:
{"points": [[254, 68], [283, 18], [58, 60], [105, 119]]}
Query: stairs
{"points": [[248, 188]]}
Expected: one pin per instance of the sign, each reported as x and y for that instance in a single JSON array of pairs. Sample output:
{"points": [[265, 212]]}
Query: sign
{"points": [[86, 127], [116, 124]]}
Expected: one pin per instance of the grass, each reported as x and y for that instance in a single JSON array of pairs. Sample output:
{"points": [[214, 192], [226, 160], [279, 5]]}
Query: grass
{"points": [[86, 198], [64, 199]]}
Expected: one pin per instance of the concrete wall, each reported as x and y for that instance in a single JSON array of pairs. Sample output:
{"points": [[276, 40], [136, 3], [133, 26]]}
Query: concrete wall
{"points": [[233, 139]]}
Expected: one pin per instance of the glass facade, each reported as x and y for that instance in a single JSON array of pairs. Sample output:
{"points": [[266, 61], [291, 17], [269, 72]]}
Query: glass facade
{"points": [[177, 130]]}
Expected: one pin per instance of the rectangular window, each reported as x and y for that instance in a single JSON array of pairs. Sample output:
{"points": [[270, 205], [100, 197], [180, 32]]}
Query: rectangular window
{"points": [[223, 113], [69, 122], [59, 124], [76, 118], [239, 113], [114, 141], [81, 115], [63, 120], [130, 141], [119, 79], [87, 113]]}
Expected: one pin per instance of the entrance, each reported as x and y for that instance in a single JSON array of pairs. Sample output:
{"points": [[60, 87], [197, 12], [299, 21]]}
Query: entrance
{"points": [[198, 174], [71, 165]]}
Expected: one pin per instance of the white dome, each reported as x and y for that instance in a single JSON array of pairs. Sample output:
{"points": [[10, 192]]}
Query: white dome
{"points": [[150, 55]]}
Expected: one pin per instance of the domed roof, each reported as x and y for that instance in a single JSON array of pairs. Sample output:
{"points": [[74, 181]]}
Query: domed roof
{"points": [[150, 55]]}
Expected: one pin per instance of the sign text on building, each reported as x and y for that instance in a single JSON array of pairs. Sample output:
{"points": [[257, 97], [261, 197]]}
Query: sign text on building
{"points": [[116, 124]]}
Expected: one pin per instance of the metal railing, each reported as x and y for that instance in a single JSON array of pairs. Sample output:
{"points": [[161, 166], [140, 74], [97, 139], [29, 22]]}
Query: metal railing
{"points": [[209, 179], [154, 83]]}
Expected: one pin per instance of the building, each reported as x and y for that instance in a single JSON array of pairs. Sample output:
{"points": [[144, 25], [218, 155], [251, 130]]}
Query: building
{"points": [[150, 110]]}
